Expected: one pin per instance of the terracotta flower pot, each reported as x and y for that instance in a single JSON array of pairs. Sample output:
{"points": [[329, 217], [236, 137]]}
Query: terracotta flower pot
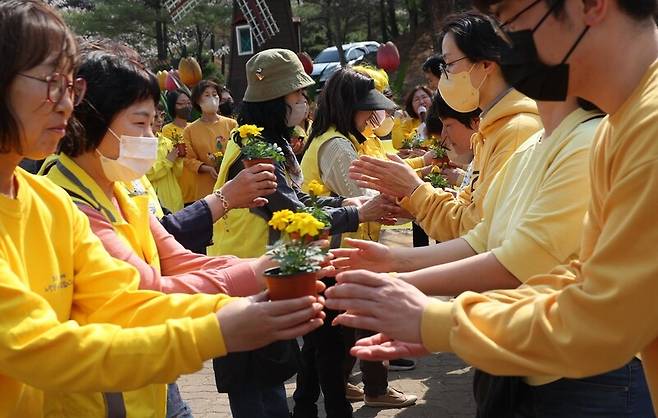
{"points": [[292, 286], [250, 163], [181, 149], [443, 161]]}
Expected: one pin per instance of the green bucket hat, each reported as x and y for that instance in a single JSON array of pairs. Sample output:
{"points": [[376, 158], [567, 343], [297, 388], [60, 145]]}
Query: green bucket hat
{"points": [[274, 73]]}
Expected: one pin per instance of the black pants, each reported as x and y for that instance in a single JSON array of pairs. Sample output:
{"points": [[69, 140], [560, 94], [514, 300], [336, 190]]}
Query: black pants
{"points": [[322, 368], [374, 374], [419, 236]]}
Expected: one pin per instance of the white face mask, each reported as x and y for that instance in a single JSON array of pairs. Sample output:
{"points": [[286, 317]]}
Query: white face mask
{"points": [[209, 104], [458, 91], [136, 156], [296, 114], [385, 127]]}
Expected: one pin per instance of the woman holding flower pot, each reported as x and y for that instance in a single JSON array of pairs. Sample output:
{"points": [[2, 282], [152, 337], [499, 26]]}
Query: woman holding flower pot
{"points": [[273, 105], [205, 136]]}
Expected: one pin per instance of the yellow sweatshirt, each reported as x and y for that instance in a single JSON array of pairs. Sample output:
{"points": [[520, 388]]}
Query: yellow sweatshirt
{"points": [[533, 212], [164, 176], [55, 278], [508, 124], [596, 315], [201, 139]]}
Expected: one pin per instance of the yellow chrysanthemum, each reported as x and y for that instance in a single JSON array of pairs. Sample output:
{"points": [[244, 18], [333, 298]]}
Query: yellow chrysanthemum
{"points": [[304, 224], [317, 188], [218, 154], [281, 219], [247, 131]]}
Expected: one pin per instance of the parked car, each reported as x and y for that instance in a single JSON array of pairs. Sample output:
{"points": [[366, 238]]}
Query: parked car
{"points": [[327, 61]]}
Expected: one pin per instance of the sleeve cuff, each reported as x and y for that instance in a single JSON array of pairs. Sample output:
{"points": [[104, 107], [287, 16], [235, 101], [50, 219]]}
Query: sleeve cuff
{"points": [[414, 202], [209, 337], [471, 239], [415, 163], [436, 325], [524, 257]]}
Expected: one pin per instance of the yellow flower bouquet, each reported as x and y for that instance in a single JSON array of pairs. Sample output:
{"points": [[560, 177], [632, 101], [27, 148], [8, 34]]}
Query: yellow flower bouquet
{"points": [[299, 258], [253, 146]]}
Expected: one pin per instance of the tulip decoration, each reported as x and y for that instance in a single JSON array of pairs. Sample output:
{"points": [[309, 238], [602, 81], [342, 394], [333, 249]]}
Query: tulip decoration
{"points": [[388, 57], [162, 79], [189, 71], [307, 62]]}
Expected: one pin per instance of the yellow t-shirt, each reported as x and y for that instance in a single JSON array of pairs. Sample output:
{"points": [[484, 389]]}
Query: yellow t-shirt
{"points": [[599, 312], [508, 124], [201, 139], [64, 302]]}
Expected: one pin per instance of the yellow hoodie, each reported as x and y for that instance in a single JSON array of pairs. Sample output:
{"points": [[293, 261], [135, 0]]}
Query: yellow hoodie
{"points": [[508, 124], [597, 314], [64, 303]]}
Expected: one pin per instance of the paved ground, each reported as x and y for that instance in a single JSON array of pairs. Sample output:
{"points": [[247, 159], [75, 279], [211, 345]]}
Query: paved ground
{"points": [[442, 382]]}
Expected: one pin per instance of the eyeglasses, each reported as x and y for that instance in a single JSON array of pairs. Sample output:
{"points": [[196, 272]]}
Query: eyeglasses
{"points": [[444, 67], [498, 28], [58, 85]]}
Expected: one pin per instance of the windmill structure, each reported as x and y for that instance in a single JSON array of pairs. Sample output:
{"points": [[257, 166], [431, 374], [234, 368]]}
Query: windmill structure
{"points": [[257, 25]]}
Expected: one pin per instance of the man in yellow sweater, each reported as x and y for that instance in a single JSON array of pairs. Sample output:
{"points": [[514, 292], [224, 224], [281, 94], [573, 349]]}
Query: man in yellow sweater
{"points": [[597, 313]]}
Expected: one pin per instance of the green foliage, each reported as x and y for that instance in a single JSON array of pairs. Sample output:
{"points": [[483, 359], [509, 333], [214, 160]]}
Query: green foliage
{"points": [[254, 148], [297, 257], [437, 180]]}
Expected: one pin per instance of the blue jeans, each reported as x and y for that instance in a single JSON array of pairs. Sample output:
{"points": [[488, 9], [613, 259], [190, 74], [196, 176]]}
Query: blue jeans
{"points": [[254, 402], [621, 393], [176, 406]]}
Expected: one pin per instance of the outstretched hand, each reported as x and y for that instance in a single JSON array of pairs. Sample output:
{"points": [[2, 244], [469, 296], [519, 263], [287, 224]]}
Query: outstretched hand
{"points": [[393, 177], [366, 255], [379, 347], [253, 322]]}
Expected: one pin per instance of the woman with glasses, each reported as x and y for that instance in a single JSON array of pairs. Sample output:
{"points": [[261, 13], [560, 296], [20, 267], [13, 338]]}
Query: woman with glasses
{"points": [[471, 79], [74, 319]]}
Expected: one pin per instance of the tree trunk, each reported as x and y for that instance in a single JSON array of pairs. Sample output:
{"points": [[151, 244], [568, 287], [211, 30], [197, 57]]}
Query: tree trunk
{"points": [[412, 9], [368, 24], [160, 34], [382, 19], [392, 19], [199, 43], [435, 13]]}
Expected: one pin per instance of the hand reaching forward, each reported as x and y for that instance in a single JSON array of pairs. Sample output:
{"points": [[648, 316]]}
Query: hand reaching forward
{"points": [[392, 177], [379, 347], [366, 255], [378, 302], [254, 322]]}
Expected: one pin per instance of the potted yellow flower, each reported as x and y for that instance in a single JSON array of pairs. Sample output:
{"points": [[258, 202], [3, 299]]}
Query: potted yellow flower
{"points": [[440, 153], [315, 190], [298, 257], [179, 144], [217, 156], [254, 148]]}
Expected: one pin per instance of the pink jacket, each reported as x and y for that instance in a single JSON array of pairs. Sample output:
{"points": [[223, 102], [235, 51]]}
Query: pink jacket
{"points": [[182, 271]]}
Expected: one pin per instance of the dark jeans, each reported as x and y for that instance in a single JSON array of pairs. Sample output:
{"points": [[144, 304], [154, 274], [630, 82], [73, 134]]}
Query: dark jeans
{"points": [[253, 402], [420, 238], [621, 393], [176, 406], [374, 374], [322, 368]]}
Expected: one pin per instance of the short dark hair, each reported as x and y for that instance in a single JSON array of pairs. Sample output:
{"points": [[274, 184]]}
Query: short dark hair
{"points": [[198, 90], [336, 103], [474, 36], [409, 100], [172, 98], [637, 9], [444, 111], [115, 81], [433, 65], [31, 32]]}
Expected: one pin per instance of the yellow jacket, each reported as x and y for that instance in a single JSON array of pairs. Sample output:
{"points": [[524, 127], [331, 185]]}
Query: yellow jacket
{"points": [[241, 232], [78, 300], [595, 315], [201, 140], [164, 176], [187, 179], [508, 124], [403, 128]]}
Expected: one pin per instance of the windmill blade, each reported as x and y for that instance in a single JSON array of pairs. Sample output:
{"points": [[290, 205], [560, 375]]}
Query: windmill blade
{"points": [[178, 9]]}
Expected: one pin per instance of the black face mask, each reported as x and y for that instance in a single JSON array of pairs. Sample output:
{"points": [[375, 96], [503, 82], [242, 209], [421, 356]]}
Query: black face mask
{"points": [[226, 108], [522, 68], [184, 112]]}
